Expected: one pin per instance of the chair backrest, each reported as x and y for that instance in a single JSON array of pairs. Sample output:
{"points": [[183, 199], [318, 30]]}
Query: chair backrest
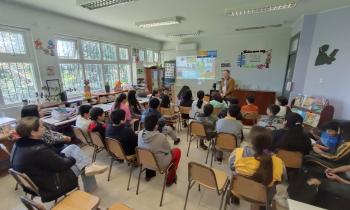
{"points": [[202, 174], [216, 111], [115, 148], [206, 98], [197, 129], [248, 189], [146, 158], [250, 115], [184, 110], [226, 141], [24, 181], [79, 134], [32, 205], [167, 111], [291, 159], [96, 139]]}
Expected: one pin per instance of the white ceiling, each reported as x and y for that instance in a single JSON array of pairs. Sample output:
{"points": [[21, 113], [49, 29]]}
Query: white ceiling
{"points": [[205, 15]]}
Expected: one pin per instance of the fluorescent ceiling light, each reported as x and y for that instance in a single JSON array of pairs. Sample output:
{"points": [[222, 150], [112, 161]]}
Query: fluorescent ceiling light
{"points": [[184, 34], [96, 4], [259, 27], [267, 9], [159, 22]]}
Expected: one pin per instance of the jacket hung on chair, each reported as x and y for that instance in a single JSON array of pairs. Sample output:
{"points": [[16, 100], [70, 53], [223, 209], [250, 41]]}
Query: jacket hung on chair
{"points": [[48, 170]]}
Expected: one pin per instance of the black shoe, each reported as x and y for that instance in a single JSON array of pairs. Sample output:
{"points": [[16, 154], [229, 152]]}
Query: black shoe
{"points": [[177, 141], [150, 174], [203, 146], [235, 200]]}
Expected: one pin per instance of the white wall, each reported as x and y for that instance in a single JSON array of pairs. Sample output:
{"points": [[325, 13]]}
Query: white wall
{"points": [[46, 25], [333, 28], [230, 46]]}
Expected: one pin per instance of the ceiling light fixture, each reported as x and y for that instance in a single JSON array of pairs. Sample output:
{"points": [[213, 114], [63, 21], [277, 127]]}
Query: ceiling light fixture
{"points": [[267, 9], [97, 4], [159, 22], [258, 27], [184, 34]]}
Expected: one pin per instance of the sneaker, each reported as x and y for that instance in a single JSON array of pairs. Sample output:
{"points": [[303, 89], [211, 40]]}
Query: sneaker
{"points": [[94, 169], [203, 146], [177, 141]]}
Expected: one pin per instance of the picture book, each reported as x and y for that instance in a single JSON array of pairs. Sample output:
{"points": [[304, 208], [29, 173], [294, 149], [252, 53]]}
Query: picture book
{"points": [[319, 104], [308, 102], [311, 119], [299, 101]]}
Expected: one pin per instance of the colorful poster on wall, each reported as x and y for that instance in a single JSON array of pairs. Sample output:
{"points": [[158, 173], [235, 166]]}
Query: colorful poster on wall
{"points": [[255, 59]]}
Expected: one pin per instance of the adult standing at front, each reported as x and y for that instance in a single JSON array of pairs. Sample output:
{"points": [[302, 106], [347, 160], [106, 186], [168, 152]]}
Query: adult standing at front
{"points": [[227, 85]]}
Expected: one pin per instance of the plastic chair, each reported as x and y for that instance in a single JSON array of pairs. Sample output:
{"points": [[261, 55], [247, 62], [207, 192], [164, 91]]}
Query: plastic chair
{"points": [[183, 110], [216, 111], [249, 190], [250, 117], [206, 99], [119, 206], [147, 159], [170, 116], [223, 141], [97, 144], [31, 205], [117, 151], [79, 134], [26, 183], [208, 178], [196, 130], [291, 159]]}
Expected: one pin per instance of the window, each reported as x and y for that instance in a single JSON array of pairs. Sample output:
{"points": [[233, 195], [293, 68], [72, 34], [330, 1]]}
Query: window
{"points": [[149, 56], [17, 71], [123, 53], [142, 55], [156, 57], [98, 62]]}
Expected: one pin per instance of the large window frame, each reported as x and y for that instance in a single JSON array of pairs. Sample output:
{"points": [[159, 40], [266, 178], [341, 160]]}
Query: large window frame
{"points": [[149, 53], [27, 58], [107, 67]]}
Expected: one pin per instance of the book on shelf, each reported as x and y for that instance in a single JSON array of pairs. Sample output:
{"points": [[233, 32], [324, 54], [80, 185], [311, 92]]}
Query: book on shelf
{"points": [[312, 119], [308, 102], [299, 99]]}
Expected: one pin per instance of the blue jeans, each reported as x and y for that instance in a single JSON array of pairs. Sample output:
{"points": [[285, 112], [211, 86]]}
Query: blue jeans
{"points": [[81, 161]]}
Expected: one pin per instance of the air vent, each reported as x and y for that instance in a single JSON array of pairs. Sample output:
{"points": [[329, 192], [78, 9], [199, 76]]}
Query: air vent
{"points": [[259, 27], [97, 4]]}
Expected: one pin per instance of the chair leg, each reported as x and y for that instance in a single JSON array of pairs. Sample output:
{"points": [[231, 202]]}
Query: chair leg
{"points": [[198, 139], [199, 187], [16, 188], [138, 181], [222, 198], [131, 167], [206, 159], [110, 169], [161, 198], [94, 155], [189, 145], [212, 156], [227, 202], [187, 193]]}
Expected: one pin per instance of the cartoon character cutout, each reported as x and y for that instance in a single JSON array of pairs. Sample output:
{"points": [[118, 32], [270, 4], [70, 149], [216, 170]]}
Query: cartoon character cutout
{"points": [[87, 89]]}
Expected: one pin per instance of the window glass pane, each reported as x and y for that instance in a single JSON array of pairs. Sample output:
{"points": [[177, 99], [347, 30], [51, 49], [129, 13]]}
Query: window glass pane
{"points": [[12, 43], [17, 82], [142, 55], [109, 52], [72, 77], [91, 50], [67, 49], [93, 72], [123, 53], [125, 75], [111, 73], [156, 57], [149, 56]]}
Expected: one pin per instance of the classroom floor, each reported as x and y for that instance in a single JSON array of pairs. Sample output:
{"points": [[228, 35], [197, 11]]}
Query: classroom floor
{"points": [[149, 192]]}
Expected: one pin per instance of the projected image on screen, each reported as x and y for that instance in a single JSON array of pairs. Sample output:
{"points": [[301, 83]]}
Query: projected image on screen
{"points": [[193, 67]]}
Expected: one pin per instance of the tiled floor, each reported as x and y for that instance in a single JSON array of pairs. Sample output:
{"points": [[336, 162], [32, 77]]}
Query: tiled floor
{"points": [[150, 192]]}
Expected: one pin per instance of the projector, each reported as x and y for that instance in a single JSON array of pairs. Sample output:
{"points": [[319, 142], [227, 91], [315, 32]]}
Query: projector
{"points": [[97, 4]]}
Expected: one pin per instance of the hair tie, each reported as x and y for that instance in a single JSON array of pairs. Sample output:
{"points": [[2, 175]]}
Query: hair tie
{"points": [[266, 151], [298, 123]]}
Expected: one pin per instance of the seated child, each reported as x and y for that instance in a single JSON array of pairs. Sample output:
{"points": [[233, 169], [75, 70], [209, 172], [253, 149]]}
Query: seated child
{"points": [[119, 131], [83, 120], [250, 107], [153, 110], [217, 101], [257, 161], [165, 103], [151, 138], [271, 119], [329, 139], [186, 101], [197, 105], [97, 116], [282, 102], [208, 121]]}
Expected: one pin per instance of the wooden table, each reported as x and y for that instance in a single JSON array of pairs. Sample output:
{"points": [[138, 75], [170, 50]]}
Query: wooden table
{"points": [[296, 205], [262, 98]]}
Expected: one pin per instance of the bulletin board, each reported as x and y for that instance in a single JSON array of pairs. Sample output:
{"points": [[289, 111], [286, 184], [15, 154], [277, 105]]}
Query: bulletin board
{"points": [[169, 72]]}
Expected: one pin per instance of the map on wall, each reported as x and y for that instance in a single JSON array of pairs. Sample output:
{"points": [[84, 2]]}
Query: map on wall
{"points": [[255, 59]]}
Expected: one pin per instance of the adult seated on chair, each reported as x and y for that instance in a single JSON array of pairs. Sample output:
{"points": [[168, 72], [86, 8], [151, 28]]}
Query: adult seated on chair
{"points": [[83, 120], [97, 116], [150, 138], [165, 129], [50, 137], [119, 131], [257, 161], [209, 122], [55, 174], [231, 125], [292, 137]]}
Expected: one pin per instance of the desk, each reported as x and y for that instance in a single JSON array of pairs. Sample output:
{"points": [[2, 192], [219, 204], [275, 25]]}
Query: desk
{"points": [[262, 98], [6, 121], [296, 205]]}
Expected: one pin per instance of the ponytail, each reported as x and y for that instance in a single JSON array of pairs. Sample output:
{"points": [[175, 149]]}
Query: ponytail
{"points": [[199, 103], [200, 96], [264, 174]]}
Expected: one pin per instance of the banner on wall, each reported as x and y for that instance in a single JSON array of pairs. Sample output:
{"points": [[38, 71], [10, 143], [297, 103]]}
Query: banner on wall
{"points": [[207, 53], [255, 59]]}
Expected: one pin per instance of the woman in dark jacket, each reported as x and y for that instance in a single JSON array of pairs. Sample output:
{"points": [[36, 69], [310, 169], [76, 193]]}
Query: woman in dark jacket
{"points": [[47, 169]]}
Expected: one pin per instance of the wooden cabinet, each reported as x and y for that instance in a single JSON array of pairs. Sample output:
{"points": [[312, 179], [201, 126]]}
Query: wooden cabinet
{"points": [[153, 77], [262, 98]]}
